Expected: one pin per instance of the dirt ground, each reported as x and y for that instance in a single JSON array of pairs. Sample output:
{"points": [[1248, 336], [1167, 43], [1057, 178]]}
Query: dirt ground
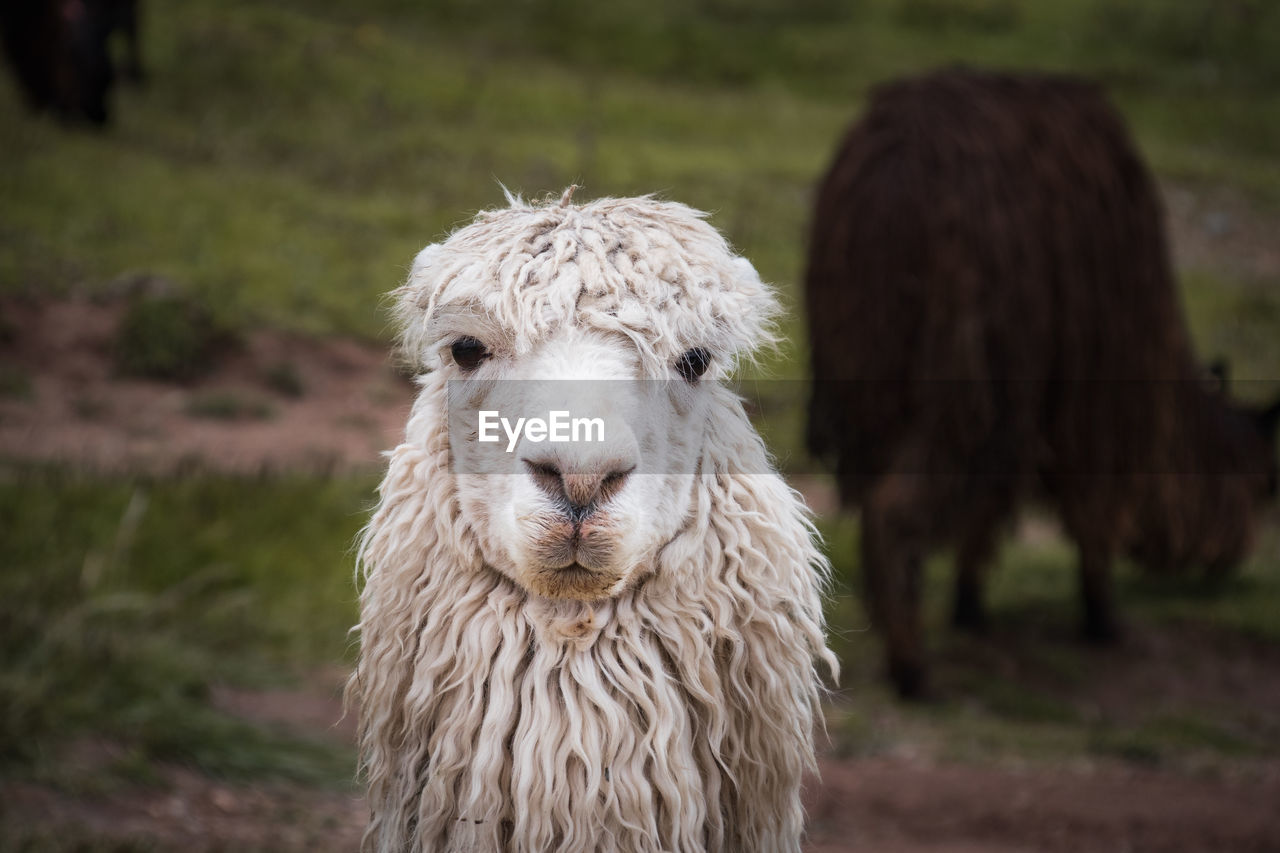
{"points": [[347, 406], [68, 405], [886, 804]]}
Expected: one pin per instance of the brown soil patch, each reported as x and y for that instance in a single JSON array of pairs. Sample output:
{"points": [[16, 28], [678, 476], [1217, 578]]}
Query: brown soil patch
{"points": [[1221, 675], [896, 805], [189, 813], [893, 804], [74, 408], [878, 804]]}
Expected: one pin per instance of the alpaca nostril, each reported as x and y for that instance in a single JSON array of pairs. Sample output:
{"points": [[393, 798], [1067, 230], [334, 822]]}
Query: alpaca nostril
{"points": [[577, 514], [613, 481], [581, 492], [546, 475], [542, 469]]}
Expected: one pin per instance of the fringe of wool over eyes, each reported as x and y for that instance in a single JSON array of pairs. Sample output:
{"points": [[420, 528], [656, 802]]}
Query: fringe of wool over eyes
{"points": [[678, 715], [652, 272]]}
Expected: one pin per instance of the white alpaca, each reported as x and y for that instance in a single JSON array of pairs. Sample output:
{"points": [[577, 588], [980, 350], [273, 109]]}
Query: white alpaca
{"points": [[608, 646]]}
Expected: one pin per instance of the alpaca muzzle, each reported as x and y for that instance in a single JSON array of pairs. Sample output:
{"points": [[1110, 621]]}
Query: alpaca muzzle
{"points": [[587, 544]]}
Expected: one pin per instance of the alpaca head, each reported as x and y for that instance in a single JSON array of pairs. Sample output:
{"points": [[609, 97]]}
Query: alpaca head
{"points": [[621, 311]]}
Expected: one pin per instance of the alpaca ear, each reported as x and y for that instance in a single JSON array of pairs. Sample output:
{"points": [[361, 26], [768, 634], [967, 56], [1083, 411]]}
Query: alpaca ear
{"points": [[759, 311], [415, 302], [749, 282], [422, 277], [744, 270]]}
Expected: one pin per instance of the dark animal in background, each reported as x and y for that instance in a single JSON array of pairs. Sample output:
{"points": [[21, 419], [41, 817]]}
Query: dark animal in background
{"points": [[60, 53], [993, 317]]}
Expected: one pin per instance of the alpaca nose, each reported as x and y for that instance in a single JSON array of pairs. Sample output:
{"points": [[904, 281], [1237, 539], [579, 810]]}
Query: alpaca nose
{"points": [[582, 489]]}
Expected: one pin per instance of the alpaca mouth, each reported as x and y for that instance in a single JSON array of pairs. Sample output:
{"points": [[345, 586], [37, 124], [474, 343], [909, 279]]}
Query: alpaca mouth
{"points": [[573, 581], [574, 570]]}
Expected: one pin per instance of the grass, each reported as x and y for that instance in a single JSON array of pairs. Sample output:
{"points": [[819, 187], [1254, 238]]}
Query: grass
{"points": [[285, 379], [169, 337], [288, 159], [1033, 691], [126, 600], [228, 406], [122, 602], [14, 384], [1236, 317]]}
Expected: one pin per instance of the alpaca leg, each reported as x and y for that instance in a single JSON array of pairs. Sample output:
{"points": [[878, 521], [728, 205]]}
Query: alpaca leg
{"points": [[1097, 596], [125, 19], [891, 567], [968, 611], [907, 648]]}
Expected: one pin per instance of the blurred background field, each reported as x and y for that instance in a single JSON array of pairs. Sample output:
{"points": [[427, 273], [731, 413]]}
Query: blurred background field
{"points": [[164, 628]]}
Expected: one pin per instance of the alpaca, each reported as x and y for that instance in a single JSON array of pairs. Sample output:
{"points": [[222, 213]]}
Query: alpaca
{"points": [[993, 317], [609, 646], [59, 52]]}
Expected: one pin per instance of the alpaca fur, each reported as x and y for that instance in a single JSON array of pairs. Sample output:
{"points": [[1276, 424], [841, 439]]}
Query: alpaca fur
{"points": [[672, 710]]}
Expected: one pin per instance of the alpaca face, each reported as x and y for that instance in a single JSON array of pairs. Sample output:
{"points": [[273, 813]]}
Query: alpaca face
{"points": [[579, 519], [623, 310]]}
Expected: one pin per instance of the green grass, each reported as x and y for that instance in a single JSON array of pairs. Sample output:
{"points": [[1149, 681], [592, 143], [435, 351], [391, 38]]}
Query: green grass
{"points": [[14, 384], [228, 406], [288, 159], [122, 602], [1237, 318], [284, 378], [169, 338], [1031, 690]]}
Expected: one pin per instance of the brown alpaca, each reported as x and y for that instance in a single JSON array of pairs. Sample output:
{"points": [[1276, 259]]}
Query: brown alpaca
{"points": [[993, 316]]}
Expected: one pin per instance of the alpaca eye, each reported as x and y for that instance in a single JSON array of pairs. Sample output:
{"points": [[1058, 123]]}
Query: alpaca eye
{"points": [[693, 363], [468, 353]]}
